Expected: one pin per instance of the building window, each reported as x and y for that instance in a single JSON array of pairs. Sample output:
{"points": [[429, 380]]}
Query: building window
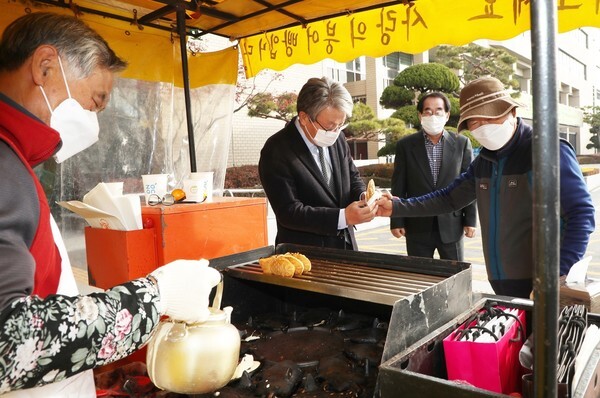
{"points": [[574, 98], [394, 63], [352, 71], [523, 76], [569, 135], [360, 98]]}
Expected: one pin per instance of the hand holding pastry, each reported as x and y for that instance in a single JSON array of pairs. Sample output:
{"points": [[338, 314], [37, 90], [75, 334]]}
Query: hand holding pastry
{"points": [[371, 195]]}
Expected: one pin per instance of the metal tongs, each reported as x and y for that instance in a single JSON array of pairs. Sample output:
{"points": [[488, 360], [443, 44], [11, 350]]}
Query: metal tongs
{"points": [[572, 328]]}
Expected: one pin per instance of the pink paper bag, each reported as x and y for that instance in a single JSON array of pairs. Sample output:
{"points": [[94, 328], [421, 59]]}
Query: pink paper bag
{"points": [[493, 366]]}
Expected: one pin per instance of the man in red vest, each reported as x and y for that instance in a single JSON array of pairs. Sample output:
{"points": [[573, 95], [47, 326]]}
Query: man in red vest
{"points": [[56, 74]]}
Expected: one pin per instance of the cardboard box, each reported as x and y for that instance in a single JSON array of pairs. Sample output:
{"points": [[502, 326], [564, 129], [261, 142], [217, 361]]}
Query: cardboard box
{"points": [[114, 257], [587, 294]]}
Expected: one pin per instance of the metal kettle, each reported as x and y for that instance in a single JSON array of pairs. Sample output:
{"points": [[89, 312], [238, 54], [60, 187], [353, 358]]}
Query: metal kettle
{"points": [[195, 358]]}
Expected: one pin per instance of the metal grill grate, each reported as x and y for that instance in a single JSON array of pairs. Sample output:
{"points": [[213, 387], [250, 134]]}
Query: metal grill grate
{"points": [[361, 282]]}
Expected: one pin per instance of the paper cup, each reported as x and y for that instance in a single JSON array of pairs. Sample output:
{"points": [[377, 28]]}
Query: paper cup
{"points": [[199, 186], [155, 184]]}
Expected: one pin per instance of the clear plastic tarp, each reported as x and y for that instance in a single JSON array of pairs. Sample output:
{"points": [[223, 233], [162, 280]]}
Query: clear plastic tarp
{"points": [[143, 131]]}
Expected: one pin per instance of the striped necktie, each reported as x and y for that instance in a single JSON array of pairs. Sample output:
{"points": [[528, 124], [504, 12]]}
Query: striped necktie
{"points": [[324, 169]]}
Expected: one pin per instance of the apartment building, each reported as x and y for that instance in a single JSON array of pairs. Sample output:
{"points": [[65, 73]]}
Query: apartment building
{"points": [[578, 76], [578, 71]]}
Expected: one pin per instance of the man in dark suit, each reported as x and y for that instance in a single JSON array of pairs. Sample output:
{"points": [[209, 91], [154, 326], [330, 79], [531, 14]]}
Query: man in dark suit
{"points": [[308, 174], [425, 161]]}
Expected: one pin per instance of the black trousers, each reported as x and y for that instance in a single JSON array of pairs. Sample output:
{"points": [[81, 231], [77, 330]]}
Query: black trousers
{"points": [[425, 246], [513, 287]]}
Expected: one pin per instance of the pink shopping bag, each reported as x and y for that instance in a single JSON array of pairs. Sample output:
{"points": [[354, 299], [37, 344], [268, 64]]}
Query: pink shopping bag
{"points": [[494, 365]]}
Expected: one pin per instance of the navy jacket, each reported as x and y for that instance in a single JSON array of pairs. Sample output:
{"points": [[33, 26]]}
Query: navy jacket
{"points": [[501, 183]]}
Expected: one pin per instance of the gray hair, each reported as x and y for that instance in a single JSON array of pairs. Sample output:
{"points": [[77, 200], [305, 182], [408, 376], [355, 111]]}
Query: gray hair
{"points": [[79, 46], [318, 94]]}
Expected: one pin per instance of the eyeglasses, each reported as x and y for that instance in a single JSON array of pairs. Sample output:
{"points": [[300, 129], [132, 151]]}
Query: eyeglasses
{"points": [[166, 200], [437, 112], [334, 130]]}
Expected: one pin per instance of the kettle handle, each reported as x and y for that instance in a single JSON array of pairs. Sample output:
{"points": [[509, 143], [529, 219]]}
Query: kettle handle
{"points": [[218, 295]]}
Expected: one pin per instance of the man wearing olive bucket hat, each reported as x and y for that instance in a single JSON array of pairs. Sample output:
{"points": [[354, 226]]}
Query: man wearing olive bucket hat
{"points": [[500, 180]]}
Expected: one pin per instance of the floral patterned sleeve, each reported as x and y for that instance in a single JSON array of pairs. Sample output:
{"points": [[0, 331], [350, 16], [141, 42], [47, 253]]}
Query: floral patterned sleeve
{"points": [[45, 341]]}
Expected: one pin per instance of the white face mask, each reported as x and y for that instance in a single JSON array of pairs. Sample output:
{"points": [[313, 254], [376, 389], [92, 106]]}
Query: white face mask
{"points": [[325, 138], [433, 125], [494, 136], [78, 127]]}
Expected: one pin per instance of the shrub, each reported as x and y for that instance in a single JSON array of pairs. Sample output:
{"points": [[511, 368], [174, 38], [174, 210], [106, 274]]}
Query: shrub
{"points": [[247, 176], [380, 173], [383, 170], [589, 159], [242, 177]]}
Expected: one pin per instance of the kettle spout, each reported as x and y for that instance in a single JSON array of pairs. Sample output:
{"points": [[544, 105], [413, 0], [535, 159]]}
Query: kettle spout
{"points": [[228, 311]]}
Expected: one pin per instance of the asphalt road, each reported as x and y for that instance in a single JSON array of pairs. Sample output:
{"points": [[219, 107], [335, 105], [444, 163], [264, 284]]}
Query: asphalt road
{"points": [[376, 237]]}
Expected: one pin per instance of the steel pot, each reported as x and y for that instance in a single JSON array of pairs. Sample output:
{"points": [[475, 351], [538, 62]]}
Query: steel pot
{"points": [[195, 358]]}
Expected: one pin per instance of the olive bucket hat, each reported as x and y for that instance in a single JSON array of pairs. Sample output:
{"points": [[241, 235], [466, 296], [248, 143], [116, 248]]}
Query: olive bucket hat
{"points": [[484, 97]]}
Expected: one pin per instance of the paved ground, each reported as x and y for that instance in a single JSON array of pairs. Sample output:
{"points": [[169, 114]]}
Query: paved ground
{"points": [[376, 237]]}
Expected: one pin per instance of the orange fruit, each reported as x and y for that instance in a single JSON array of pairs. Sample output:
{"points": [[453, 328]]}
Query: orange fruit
{"points": [[178, 195]]}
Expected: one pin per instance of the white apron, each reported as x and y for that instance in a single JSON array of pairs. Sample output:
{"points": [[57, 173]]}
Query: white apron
{"points": [[81, 385]]}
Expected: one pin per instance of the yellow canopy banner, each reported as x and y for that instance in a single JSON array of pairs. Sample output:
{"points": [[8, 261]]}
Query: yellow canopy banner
{"points": [[152, 54], [218, 67], [411, 28]]}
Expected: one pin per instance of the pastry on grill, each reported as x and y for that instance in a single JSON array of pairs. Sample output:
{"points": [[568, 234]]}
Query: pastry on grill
{"points": [[288, 264], [265, 264], [298, 264], [282, 266], [305, 261]]}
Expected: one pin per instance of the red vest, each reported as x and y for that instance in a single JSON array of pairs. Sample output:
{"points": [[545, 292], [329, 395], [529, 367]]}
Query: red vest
{"points": [[34, 142]]}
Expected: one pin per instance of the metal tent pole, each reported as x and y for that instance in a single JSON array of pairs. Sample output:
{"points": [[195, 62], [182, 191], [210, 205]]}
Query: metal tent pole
{"points": [[180, 9], [546, 199]]}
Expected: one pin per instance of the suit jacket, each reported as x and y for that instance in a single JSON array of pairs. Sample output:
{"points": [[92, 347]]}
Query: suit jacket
{"points": [[306, 210], [412, 177]]}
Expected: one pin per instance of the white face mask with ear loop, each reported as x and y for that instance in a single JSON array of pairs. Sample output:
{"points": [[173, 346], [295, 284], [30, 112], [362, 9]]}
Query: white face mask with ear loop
{"points": [[433, 125], [78, 127], [324, 138], [494, 136]]}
